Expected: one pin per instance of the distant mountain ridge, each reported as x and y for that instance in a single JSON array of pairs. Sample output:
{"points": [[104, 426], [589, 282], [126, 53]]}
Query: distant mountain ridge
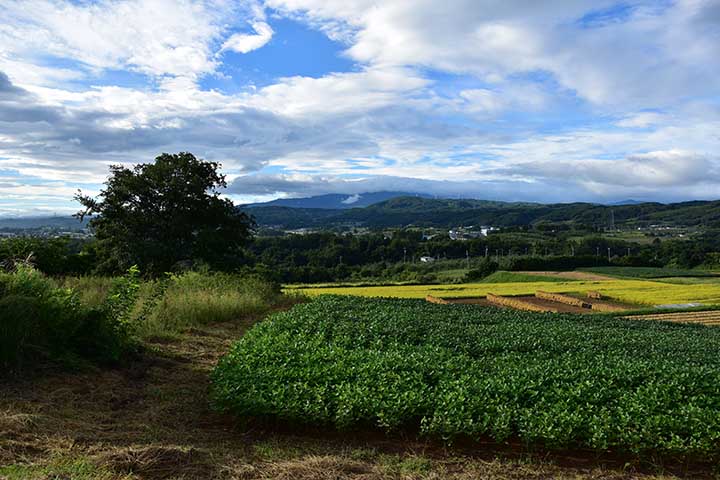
{"points": [[428, 212], [423, 211], [69, 223], [336, 201], [628, 201]]}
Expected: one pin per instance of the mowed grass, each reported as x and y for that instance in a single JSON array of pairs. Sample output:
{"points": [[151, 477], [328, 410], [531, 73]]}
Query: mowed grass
{"points": [[640, 292], [513, 277]]}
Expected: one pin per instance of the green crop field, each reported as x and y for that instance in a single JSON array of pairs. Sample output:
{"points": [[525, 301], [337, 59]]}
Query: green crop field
{"points": [[640, 292], [450, 371]]}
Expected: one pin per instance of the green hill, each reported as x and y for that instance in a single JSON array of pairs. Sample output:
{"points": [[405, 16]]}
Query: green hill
{"points": [[424, 212]]}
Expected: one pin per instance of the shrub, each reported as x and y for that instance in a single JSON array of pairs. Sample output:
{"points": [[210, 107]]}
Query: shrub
{"points": [[40, 320], [483, 269], [551, 263], [17, 313]]}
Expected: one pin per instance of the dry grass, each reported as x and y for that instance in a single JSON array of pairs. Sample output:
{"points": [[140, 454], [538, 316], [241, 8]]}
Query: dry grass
{"points": [[152, 421]]}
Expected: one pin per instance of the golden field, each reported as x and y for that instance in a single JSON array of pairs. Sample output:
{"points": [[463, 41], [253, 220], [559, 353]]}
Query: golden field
{"points": [[641, 292]]}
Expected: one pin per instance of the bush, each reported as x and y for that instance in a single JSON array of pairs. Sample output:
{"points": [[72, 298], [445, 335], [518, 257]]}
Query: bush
{"points": [[514, 264], [40, 320], [17, 313], [484, 269]]}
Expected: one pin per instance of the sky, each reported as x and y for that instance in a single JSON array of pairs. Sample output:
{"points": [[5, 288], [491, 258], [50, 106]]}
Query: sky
{"points": [[518, 100]]}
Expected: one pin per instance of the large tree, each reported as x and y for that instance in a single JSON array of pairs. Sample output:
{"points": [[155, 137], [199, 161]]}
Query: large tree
{"points": [[165, 214]]}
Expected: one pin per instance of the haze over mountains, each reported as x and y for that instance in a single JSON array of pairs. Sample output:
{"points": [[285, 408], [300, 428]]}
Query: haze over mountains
{"points": [[424, 211], [337, 200]]}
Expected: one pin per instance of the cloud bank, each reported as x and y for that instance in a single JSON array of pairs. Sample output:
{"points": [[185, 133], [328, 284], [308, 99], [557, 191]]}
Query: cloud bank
{"points": [[548, 101]]}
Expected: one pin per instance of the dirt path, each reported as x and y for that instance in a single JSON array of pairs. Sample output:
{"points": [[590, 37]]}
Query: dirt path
{"points": [[152, 421], [572, 275]]}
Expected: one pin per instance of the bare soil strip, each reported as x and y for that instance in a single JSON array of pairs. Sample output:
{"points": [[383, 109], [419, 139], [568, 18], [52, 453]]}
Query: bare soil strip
{"points": [[534, 303], [572, 275]]}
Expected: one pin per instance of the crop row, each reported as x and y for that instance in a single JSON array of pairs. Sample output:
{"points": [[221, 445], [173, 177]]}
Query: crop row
{"points": [[517, 303], [560, 298], [462, 370]]}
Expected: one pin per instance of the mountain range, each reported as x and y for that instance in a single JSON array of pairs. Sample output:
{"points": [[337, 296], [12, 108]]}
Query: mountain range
{"points": [[429, 212], [336, 201], [399, 209]]}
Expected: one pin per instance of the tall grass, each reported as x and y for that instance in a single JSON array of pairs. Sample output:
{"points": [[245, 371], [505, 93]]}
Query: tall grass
{"points": [[92, 291], [40, 320], [194, 299], [99, 317]]}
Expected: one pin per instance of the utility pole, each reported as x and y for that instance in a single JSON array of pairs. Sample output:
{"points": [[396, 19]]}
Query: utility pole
{"points": [[628, 251], [608, 254], [597, 251], [487, 249]]}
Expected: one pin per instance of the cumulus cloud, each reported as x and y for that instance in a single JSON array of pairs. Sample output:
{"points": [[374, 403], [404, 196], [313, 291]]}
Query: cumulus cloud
{"points": [[244, 43], [498, 99], [651, 53], [157, 37], [652, 169]]}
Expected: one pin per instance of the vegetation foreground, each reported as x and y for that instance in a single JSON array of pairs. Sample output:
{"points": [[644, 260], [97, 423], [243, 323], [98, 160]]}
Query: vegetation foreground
{"points": [[455, 371], [151, 419]]}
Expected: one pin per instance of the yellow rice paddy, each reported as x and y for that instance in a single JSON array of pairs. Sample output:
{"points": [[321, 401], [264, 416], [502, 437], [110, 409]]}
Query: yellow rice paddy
{"points": [[641, 292]]}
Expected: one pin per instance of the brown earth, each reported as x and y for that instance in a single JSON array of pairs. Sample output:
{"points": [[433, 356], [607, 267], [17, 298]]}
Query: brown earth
{"points": [[151, 420], [572, 275], [546, 304]]}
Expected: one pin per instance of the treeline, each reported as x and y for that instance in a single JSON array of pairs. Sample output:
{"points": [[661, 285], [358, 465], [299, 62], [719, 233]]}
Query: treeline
{"points": [[328, 257], [325, 257]]}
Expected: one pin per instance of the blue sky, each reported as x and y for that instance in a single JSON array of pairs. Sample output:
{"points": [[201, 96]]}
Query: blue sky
{"points": [[562, 100]]}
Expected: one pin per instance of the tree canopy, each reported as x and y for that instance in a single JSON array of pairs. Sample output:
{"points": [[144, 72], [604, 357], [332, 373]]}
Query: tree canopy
{"points": [[166, 214]]}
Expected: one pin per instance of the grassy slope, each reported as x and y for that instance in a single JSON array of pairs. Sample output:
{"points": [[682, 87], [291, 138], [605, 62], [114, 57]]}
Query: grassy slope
{"points": [[512, 277], [152, 421]]}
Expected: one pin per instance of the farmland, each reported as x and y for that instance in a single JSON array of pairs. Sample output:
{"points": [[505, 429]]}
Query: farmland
{"points": [[639, 292], [459, 371]]}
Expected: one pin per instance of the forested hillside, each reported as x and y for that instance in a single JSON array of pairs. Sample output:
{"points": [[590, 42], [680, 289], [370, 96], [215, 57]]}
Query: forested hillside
{"points": [[425, 212]]}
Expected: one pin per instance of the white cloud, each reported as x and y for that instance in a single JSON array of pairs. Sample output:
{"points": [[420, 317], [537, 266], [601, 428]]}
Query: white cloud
{"points": [[153, 37], [244, 43], [338, 92], [654, 54], [506, 95], [351, 199], [641, 120]]}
